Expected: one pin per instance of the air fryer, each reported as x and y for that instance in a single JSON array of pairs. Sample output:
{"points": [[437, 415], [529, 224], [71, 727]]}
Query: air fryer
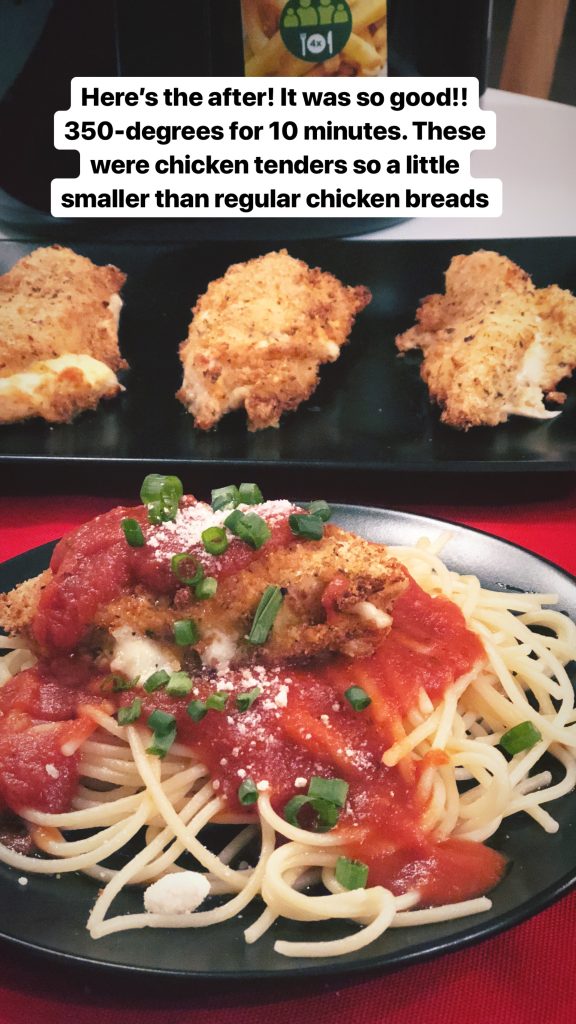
{"points": [[46, 43]]}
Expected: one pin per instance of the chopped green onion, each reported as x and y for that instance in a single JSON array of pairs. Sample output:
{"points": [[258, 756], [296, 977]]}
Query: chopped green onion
{"points": [[157, 487], [186, 569], [352, 874], [521, 737], [215, 540], [185, 632], [266, 612], [246, 700], [305, 526], [325, 796], [161, 742], [119, 683], [326, 812], [179, 684], [133, 533], [206, 588], [249, 527], [131, 713], [334, 791], [293, 807], [320, 509], [161, 722], [225, 497], [197, 709], [163, 726], [156, 680], [217, 701], [233, 520], [247, 792], [155, 513], [358, 698], [162, 495], [250, 494]]}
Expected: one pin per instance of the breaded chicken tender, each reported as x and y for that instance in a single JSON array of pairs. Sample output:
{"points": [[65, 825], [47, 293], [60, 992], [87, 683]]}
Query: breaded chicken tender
{"points": [[493, 344], [58, 335], [259, 335], [338, 595]]}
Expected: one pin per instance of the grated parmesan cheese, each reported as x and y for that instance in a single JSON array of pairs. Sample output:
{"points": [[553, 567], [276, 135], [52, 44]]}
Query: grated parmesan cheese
{"points": [[177, 893]]}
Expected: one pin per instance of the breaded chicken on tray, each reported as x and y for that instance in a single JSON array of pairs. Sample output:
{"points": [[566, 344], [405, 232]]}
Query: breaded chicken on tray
{"points": [[259, 336], [493, 344], [58, 335]]}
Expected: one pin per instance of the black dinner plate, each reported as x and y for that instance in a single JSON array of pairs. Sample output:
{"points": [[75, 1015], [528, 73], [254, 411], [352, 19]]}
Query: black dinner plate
{"points": [[48, 915], [371, 410]]}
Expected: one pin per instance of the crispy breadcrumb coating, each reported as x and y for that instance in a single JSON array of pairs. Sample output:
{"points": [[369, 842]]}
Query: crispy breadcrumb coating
{"points": [[493, 344], [259, 335], [357, 618], [58, 335]]}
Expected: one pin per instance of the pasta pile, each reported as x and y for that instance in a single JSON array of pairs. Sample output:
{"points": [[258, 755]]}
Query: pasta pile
{"points": [[468, 792]]}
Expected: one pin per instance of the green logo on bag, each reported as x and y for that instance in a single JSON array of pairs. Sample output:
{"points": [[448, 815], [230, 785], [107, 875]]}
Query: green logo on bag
{"points": [[315, 30]]}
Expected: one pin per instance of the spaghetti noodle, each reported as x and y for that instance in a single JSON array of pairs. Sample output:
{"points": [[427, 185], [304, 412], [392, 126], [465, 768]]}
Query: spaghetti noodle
{"points": [[464, 755]]}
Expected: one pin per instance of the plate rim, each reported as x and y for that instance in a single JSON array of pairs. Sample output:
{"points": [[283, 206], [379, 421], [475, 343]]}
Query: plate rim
{"points": [[420, 952]]}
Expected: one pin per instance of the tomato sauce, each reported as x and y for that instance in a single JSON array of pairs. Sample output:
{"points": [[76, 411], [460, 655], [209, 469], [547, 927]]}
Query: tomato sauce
{"points": [[300, 725], [94, 564]]}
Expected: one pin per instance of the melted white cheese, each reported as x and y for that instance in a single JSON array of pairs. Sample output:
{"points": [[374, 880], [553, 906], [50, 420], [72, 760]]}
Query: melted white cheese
{"points": [[219, 652], [532, 373], [136, 656], [24, 394], [372, 615]]}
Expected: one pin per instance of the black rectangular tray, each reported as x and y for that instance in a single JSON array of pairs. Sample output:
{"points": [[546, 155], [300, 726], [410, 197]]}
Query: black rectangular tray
{"points": [[370, 412]]}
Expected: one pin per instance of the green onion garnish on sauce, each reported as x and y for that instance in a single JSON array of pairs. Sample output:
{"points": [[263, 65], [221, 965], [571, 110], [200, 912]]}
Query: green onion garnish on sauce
{"points": [[161, 721], [206, 588], [249, 527], [320, 509], [133, 533], [326, 798], [186, 569], [179, 684], [334, 791], [305, 526], [156, 680], [162, 495], [265, 615], [131, 713], [246, 700], [521, 737], [250, 494], [185, 632], [225, 497], [197, 710], [247, 792], [352, 874], [119, 683], [163, 727], [357, 698], [215, 540], [161, 743], [217, 701]]}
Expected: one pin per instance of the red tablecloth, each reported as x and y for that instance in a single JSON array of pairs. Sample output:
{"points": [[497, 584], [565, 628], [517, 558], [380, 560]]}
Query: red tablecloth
{"points": [[526, 976]]}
